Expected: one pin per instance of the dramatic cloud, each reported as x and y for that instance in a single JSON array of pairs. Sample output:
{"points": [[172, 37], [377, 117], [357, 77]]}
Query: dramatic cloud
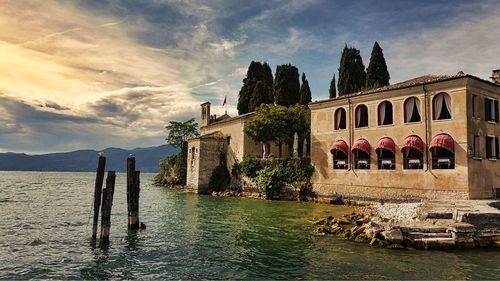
{"points": [[94, 73]]}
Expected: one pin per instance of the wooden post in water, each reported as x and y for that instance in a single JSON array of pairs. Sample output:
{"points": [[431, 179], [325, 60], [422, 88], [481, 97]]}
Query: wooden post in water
{"points": [[97, 193], [132, 193], [107, 203]]}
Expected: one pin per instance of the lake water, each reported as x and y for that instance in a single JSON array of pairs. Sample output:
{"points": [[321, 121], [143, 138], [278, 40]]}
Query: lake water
{"points": [[45, 234]]}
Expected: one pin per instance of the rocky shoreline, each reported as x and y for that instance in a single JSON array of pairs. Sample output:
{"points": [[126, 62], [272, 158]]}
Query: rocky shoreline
{"points": [[458, 224]]}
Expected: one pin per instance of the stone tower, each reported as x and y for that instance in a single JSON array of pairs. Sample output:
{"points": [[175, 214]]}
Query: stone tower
{"points": [[205, 114]]}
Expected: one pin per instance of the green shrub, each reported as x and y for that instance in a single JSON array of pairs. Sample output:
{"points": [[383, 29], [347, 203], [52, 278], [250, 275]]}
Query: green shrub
{"points": [[250, 166], [270, 181], [276, 174]]}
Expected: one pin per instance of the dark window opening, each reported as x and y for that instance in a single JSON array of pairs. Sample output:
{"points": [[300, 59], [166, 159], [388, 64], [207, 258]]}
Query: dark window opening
{"points": [[340, 119], [361, 159], [492, 148], [491, 110], [412, 110], [412, 158], [386, 159], [442, 158], [361, 116], [385, 113], [340, 160], [441, 106]]}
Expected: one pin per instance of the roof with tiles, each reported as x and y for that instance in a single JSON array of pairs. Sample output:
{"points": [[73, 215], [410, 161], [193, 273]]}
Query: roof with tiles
{"points": [[422, 80]]}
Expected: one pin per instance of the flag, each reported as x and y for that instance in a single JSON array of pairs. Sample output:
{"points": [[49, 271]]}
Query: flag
{"points": [[225, 100]]}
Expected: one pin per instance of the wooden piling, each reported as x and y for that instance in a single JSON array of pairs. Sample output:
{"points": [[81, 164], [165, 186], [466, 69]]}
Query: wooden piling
{"points": [[97, 193], [107, 203], [133, 188]]}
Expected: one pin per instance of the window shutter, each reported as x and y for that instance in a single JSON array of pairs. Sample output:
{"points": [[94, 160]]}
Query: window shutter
{"points": [[488, 147], [497, 156], [487, 109], [496, 111]]}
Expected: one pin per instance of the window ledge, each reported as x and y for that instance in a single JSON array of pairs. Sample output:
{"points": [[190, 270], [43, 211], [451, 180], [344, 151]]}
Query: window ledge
{"points": [[361, 128], [339, 130], [441, 120], [477, 158], [386, 125], [413, 123], [492, 159], [476, 118], [492, 122]]}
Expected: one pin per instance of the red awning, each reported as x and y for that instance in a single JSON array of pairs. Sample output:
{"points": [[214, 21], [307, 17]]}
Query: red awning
{"points": [[444, 141], [340, 145], [386, 143], [361, 144], [413, 141]]}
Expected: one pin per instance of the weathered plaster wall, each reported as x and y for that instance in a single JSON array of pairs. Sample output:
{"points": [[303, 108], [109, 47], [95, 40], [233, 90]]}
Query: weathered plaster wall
{"points": [[485, 173], [428, 182]]}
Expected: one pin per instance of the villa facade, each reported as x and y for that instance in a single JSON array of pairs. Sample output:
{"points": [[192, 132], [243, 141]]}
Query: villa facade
{"points": [[429, 137]]}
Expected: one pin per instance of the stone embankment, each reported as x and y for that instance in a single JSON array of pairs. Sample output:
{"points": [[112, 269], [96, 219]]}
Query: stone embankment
{"points": [[430, 224]]}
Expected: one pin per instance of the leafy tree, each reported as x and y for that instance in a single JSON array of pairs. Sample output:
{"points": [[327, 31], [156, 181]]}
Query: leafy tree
{"points": [[286, 85], [173, 169], [256, 72], [277, 124], [305, 91], [333, 88], [179, 132], [377, 74], [352, 76], [260, 95]]}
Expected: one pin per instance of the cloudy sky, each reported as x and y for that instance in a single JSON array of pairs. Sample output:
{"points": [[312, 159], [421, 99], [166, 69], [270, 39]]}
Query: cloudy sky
{"points": [[95, 73]]}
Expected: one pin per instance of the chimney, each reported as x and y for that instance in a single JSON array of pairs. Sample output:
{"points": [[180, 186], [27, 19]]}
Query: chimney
{"points": [[495, 76], [205, 114]]}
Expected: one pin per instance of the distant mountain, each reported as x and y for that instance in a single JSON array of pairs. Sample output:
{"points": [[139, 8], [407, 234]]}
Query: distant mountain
{"points": [[86, 160]]}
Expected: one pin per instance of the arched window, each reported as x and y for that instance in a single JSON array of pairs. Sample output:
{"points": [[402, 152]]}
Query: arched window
{"points": [[386, 154], [412, 149], [361, 116], [361, 152], [385, 113], [441, 106], [443, 152], [339, 152], [340, 119], [412, 110]]}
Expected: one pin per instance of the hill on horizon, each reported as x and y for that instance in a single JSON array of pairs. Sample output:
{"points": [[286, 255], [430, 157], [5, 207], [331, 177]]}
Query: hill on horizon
{"points": [[147, 160]]}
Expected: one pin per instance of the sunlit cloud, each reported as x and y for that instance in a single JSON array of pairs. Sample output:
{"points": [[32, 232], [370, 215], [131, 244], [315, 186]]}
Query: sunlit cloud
{"points": [[94, 73]]}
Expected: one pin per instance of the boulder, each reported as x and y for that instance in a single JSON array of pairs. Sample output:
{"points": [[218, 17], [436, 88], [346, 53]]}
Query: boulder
{"points": [[372, 229], [362, 239], [394, 235], [319, 222]]}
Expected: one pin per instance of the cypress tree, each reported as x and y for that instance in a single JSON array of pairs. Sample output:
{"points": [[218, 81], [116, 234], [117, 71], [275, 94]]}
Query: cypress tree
{"points": [[268, 78], [260, 95], [352, 75], [286, 85], [305, 91], [333, 88], [377, 74], [256, 72]]}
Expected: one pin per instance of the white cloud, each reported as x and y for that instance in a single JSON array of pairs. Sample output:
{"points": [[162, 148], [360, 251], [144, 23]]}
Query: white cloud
{"points": [[467, 44]]}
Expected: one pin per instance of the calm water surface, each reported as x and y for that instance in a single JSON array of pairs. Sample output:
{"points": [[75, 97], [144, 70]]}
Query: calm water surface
{"points": [[44, 233]]}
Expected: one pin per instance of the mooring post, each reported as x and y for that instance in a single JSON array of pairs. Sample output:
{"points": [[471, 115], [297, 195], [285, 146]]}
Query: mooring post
{"points": [[107, 203], [132, 193], [97, 193]]}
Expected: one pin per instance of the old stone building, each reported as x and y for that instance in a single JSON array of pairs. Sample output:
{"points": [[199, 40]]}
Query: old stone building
{"points": [[429, 137], [220, 136]]}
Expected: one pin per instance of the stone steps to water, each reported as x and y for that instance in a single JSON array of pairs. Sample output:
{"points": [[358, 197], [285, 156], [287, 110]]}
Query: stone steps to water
{"points": [[424, 235]]}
